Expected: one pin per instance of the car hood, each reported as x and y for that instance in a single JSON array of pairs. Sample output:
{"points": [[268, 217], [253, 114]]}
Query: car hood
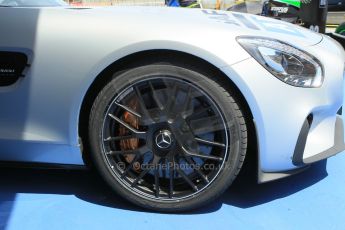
{"points": [[209, 21]]}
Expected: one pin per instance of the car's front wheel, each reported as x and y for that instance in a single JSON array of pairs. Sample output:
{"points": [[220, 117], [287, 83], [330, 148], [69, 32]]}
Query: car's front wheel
{"points": [[166, 137]]}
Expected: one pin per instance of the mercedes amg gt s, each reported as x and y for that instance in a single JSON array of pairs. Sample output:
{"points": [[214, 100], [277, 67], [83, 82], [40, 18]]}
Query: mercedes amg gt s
{"points": [[164, 103]]}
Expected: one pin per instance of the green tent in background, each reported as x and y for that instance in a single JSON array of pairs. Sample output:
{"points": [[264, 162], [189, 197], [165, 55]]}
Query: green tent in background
{"points": [[291, 2], [341, 29]]}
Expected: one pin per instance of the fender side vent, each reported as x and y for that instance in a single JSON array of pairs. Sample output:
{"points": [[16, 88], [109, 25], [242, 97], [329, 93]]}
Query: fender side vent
{"points": [[12, 65]]}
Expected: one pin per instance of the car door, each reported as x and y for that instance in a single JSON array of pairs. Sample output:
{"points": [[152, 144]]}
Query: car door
{"points": [[18, 29]]}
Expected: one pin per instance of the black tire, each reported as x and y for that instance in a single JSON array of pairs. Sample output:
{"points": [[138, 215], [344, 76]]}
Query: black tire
{"points": [[226, 166]]}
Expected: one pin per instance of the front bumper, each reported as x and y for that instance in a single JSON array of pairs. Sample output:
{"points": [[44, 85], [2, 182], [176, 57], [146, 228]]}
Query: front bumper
{"points": [[280, 112], [304, 162]]}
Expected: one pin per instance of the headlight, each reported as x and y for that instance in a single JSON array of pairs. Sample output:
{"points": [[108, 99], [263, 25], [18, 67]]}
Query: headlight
{"points": [[289, 64]]}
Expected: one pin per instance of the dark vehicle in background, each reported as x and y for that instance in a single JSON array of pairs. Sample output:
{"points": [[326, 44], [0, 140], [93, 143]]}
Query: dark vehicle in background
{"points": [[336, 5], [282, 10], [309, 14]]}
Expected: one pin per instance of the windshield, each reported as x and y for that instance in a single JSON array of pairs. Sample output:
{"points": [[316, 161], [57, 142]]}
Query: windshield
{"points": [[32, 3]]}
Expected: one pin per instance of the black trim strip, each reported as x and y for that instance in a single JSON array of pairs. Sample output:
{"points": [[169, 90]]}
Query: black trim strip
{"points": [[38, 165], [297, 158], [264, 177]]}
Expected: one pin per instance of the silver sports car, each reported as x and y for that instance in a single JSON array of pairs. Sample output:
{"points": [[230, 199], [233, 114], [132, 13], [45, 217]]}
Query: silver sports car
{"points": [[166, 104]]}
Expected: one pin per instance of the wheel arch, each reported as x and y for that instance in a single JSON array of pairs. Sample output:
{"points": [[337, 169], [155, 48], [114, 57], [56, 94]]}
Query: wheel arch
{"points": [[164, 57]]}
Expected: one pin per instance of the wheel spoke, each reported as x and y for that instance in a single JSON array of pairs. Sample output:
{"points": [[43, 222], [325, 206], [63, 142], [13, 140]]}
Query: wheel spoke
{"points": [[201, 155], [172, 95], [186, 106], [128, 109], [206, 125], [186, 178], [130, 166], [130, 128], [171, 177], [155, 97], [141, 175], [157, 182], [164, 171], [197, 112], [139, 151], [147, 117], [197, 170], [119, 138], [212, 143], [185, 139], [154, 162]]}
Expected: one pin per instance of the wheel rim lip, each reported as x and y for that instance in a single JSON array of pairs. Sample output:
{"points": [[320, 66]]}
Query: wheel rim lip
{"points": [[135, 190]]}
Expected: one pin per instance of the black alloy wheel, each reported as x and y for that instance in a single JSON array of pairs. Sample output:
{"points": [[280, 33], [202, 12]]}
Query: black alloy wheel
{"points": [[166, 137]]}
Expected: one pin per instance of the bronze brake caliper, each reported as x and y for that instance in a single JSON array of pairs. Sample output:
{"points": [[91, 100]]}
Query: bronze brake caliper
{"points": [[133, 143]]}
